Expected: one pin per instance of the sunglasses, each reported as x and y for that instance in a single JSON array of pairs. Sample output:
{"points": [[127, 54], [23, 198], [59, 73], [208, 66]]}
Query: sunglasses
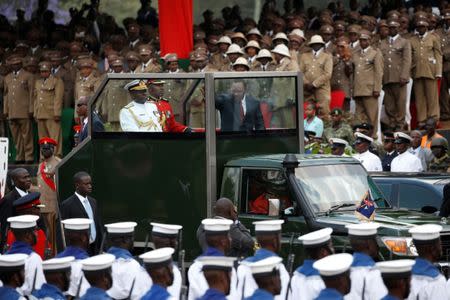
{"points": [[81, 104]]}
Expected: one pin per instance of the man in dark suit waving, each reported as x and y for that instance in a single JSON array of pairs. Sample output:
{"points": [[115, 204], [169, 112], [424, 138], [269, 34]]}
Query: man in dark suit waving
{"points": [[238, 110], [81, 205]]}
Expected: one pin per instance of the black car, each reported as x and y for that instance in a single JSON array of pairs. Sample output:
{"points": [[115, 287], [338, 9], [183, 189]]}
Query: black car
{"points": [[416, 191]]}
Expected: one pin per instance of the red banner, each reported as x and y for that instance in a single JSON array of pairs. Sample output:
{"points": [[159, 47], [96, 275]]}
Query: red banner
{"points": [[175, 27]]}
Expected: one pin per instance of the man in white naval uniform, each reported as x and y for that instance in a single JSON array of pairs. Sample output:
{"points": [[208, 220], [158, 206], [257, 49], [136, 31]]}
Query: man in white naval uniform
{"points": [[140, 114], [23, 228], [306, 282], [427, 282], [130, 280], [370, 161], [366, 280], [405, 161], [268, 235]]}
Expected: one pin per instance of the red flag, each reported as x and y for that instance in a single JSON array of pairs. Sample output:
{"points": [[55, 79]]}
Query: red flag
{"points": [[175, 27]]}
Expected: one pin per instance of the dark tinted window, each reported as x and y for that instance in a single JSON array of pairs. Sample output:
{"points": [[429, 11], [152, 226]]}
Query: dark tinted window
{"points": [[386, 188], [415, 197]]}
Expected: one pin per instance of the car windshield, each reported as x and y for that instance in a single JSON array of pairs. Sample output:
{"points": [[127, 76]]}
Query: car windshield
{"points": [[340, 185]]}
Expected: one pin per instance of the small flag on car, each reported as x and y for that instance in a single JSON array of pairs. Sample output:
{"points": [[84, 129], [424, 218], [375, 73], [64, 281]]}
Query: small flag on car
{"points": [[365, 211]]}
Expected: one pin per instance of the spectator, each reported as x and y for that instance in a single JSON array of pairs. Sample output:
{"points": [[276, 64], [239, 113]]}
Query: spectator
{"points": [[404, 161], [431, 134], [312, 122], [441, 160], [424, 154], [82, 110]]}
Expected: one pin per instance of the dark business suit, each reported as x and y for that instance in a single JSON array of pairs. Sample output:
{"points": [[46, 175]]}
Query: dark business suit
{"points": [[98, 126], [6, 211], [73, 208], [230, 114]]}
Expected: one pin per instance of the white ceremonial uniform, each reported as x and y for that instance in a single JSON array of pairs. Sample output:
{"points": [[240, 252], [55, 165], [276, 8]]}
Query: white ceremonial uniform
{"points": [[33, 268], [127, 273], [247, 284], [424, 154], [140, 117], [78, 283], [406, 162], [367, 280], [175, 289], [306, 282], [370, 161], [198, 284], [428, 286]]}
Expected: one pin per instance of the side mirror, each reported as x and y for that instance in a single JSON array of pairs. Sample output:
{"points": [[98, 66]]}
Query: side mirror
{"points": [[274, 207]]}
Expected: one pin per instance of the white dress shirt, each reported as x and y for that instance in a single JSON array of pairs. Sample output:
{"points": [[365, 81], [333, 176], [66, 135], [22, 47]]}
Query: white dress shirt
{"points": [[21, 193], [406, 162], [370, 161], [90, 212]]}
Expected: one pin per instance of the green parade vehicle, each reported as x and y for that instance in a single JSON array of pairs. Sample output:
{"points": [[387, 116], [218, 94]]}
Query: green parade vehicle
{"points": [[175, 177]]}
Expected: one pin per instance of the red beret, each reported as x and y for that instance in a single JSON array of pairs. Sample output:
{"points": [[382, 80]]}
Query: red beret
{"points": [[47, 140]]}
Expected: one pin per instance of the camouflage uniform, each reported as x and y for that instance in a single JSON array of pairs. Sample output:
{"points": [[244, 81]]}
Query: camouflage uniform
{"points": [[439, 165], [344, 131]]}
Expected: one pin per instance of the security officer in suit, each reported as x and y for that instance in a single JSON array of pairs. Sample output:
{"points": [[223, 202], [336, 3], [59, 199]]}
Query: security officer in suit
{"points": [[426, 69], [368, 77], [444, 97], [317, 67], [396, 52], [18, 108], [48, 101]]}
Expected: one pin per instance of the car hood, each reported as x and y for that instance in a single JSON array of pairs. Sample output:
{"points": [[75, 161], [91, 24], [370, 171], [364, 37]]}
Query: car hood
{"points": [[394, 222]]}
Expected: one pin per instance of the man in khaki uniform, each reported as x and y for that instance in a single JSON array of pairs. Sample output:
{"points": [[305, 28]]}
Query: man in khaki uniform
{"points": [[368, 76], [444, 97], [353, 35], [174, 88], [284, 89], [396, 52], [87, 82], [426, 69], [233, 52], [46, 184], [148, 63], [317, 67], [18, 108], [327, 32], [60, 71], [220, 59], [48, 101]]}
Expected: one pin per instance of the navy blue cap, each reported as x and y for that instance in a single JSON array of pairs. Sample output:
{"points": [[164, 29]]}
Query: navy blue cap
{"points": [[28, 201]]}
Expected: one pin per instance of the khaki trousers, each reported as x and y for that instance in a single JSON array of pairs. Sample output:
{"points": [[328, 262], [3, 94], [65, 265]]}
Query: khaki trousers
{"points": [[50, 222], [427, 103], [367, 110], [52, 129], [22, 134], [395, 104], [444, 97], [322, 98]]}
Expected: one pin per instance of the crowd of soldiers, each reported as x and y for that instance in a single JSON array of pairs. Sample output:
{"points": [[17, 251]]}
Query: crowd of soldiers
{"points": [[233, 264]]}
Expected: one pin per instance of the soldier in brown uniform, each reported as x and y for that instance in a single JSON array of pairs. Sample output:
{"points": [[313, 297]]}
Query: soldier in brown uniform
{"points": [[251, 49], [367, 82], [148, 63], [396, 52], [87, 82], [317, 67], [426, 69], [18, 108], [265, 61], [133, 61], [174, 88], [48, 101], [233, 52], [353, 35], [444, 97], [59, 70], [219, 59], [297, 44], [327, 32], [341, 78]]}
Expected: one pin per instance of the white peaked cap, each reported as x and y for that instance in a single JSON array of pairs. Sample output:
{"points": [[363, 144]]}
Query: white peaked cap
{"points": [[58, 263], [217, 225], [402, 135], [363, 229], [393, 267], [98, 262], [363, 136], [269, 225], [77, 223], [333, 265], [121, 227], [217, 262], [339, 141], [12, 260], [282, 49], [23, 221], [158, 256], [317, 237], [264, 266], [426, 232], [165, 229]]}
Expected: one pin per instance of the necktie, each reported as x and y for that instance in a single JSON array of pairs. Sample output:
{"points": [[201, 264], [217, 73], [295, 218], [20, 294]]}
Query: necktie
{"points": [[241, 110], [90, 213], [391, 40]]}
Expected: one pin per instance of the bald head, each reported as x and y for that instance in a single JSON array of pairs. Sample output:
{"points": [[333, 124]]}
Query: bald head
{"points": [[21, 178], [225, 208]]}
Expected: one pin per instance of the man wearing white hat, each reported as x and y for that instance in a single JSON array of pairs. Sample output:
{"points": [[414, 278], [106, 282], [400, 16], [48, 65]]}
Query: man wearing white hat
{"points": [[338, 146], [76, 233], [220, 58], [268, 235], [370, 161], [158, 264], [426, 280], [334, 270], [11, 275], [405, 161], [306, 282], [217, 271], [283, 59], [317, 67], [130, 280], [252, 48], [241, 65], [265, 61], [396, 277], [233, 52], [166, 235], [23, 228], [57, 274], [97, 270], [219, 244], [366, 279], [266, 274]]}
